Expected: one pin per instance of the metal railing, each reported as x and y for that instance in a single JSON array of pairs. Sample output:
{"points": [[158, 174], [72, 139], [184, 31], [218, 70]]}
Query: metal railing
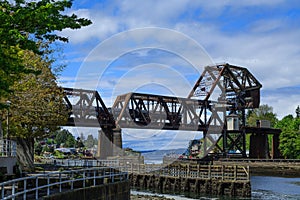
{"points": [[8, 148], [85, 163], [37, 186]]}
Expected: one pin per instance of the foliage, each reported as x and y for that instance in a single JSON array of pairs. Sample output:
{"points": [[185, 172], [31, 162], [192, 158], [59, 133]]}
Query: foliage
{"points": [[66, 138], [90, 141], [59, 155], [264, 112], [27, 30], [32, 26], [38, 148], [37, 107], [79, 143], [289, 137]]}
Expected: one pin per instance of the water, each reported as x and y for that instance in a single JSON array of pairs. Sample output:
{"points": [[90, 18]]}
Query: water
{"points": [[276, 188], [263, 187]]}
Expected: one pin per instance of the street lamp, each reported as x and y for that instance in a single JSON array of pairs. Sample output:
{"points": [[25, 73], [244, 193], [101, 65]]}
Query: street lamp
{"points": [[7, 120]]}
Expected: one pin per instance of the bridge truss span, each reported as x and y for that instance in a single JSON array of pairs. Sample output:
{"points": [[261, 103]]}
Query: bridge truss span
{"points": [[136, 110], [216, 106], [87, 109]]}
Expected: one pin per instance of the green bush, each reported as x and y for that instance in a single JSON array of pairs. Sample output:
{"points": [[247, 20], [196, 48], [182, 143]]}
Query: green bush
{"points": [[59, 155]]}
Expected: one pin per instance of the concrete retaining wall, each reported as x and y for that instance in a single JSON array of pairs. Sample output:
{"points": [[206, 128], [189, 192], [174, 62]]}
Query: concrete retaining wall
{"points": [[195, 186], [8, 163], [109, 191]]}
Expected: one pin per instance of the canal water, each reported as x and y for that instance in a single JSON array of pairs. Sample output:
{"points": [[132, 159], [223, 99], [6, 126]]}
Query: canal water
{"points": [[263, 187]]}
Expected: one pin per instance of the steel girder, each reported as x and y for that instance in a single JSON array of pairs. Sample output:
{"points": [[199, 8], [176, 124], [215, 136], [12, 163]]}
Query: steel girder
{"points": [[136, 110], [87, 109], [237, 86]]}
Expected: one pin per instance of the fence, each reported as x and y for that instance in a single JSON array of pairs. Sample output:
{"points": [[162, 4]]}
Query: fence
{"points": [[85, 163], [37, 186], [8, 148]]}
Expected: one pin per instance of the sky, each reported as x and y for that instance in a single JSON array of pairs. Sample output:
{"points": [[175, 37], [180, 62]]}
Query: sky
{"points": [[161, 47]]}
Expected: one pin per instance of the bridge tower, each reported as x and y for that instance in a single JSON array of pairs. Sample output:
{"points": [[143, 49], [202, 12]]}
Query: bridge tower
{"points": [[236, 89]]}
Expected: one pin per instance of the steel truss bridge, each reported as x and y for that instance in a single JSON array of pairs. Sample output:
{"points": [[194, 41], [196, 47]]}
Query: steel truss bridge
{"points": [[221, 91]]}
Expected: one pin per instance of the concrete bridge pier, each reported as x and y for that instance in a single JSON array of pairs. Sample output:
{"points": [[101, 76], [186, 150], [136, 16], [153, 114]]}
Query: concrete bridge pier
{"points": [[117, 141], [104, 144], [109, 142]]}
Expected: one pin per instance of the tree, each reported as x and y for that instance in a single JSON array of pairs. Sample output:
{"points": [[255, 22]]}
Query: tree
{"points": [[27, 30], [264, 112], [65, 137], [70, 142], [79, 143], [289, 137], [89, 143], [37, 108], [38, 148], [33, 26]]}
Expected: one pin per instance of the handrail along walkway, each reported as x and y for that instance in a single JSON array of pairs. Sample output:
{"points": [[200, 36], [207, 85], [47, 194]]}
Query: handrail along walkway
{"points": [[37, 186]]}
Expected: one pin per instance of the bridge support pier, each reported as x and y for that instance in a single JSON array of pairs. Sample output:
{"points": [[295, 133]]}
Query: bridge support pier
{"points": [[117, 141], [109, 142], [259, 146], [104, 144], [275, 146]]}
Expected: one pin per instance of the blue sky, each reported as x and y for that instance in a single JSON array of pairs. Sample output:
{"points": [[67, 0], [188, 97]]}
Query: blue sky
{"points": [[263, 36]]}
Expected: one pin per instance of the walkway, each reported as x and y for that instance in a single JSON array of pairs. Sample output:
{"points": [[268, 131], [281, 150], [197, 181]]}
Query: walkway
{"points": [[40, 185]]}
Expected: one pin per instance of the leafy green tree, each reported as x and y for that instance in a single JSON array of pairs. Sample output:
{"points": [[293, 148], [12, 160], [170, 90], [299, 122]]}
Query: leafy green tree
{"points": [[37, 108], [79, 143], [64, 137], [33, 26], [27, 30], [89, 143], [70, 142], [264, 112], [289, 137]]}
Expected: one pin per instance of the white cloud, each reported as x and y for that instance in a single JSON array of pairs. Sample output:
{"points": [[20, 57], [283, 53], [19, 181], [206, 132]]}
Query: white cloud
{"points": [[158, 139], [269, 47], [283, 105], [264, 25]]}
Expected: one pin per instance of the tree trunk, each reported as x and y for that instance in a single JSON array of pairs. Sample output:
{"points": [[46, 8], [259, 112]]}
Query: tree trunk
{"points": [[25, 153]]}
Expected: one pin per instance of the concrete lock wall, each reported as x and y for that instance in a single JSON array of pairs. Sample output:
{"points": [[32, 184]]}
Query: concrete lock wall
{"points": [[110, 191], [193, 186]]}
